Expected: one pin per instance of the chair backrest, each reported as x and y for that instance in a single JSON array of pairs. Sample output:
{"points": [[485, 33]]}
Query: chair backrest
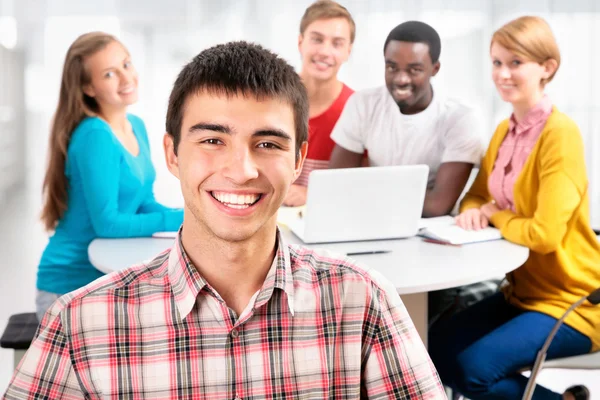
{"points": [[19, 332], [474, 173], [586, 361]]}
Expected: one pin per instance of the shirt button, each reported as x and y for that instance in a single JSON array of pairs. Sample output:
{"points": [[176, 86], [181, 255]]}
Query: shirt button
{"points": [[235, 333]]}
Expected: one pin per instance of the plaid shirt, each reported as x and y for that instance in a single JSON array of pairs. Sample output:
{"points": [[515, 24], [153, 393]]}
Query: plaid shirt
{"points": [[320, 327]]}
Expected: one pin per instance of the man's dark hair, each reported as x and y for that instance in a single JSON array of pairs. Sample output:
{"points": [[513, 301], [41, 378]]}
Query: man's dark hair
{"points": [[417, 32], [239, 68]]}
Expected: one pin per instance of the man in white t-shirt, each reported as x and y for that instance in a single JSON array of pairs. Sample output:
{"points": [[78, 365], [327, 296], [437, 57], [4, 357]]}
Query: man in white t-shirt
{"points": [[407, 123]]}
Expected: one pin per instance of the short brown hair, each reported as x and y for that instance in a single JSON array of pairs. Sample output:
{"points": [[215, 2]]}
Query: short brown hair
{"points": [[531, 38], [239, 68], [327, 9]]}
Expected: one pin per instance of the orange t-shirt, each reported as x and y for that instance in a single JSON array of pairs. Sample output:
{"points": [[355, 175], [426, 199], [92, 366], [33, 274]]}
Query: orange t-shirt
{"points": [[320, 144]]}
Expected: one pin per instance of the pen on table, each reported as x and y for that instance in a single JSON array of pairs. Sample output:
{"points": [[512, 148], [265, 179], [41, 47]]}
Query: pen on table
{"points": [[361, 253], [440, 242]]}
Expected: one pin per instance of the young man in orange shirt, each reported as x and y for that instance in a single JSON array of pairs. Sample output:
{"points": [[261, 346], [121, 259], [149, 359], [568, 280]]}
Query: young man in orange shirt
{"points": [[327, 33]]}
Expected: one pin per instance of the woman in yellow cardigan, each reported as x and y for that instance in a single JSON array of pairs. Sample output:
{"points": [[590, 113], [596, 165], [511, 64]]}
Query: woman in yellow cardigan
{"points": [[532, 185]]}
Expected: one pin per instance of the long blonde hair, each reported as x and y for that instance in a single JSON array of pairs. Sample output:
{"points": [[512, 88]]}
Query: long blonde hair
{"points": [[531, 38], [73, 106]]}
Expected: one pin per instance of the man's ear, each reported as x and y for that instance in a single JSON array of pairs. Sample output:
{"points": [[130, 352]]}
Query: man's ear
{"points": [[300, 159], [170, 156], [349, 52], [436, 68]]}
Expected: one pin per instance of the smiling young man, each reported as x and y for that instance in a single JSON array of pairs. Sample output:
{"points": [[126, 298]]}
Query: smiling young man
{"points": [[231, 311], [327, 32], [406, 122]]}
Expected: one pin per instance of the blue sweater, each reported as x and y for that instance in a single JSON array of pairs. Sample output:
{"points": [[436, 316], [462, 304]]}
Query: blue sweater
{"points": [[109, 196]]}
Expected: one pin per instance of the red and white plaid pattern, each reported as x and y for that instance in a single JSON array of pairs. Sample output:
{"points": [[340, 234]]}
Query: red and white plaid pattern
{"points": [[320, 327]]}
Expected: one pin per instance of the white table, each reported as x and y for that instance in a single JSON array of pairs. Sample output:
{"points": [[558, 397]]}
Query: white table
{"points": [[109, 255], [413, 266]]}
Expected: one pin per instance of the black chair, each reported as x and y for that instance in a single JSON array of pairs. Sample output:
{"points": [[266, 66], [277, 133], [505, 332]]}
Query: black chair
{"points": [[19, 334]]}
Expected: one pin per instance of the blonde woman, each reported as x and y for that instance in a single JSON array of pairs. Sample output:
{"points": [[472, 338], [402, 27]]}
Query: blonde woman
{"points": [[532, 185], [99, 177]]}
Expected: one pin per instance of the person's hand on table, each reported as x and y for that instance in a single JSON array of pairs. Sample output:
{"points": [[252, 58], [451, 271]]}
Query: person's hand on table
{"points": [[489, 209], [296, 196], [472, 219]]}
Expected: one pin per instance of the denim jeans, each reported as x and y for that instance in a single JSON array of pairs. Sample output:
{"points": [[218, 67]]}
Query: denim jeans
{"points": [[479, 351], [43, 301]]}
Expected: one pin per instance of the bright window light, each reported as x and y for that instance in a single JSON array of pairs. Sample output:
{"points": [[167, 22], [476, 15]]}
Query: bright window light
{"points": [[61, 32], [8, 32], [453, 24]]}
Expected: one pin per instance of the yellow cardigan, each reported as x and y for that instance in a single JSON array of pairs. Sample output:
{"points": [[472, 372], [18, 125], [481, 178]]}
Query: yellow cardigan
{"points": [[553, 221]]}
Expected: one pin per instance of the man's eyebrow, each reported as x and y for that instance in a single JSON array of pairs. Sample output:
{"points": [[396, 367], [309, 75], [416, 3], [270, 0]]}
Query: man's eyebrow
{"points": [[204, 126], [320, 34], [411, 65], [221, 128], [272, 132]]}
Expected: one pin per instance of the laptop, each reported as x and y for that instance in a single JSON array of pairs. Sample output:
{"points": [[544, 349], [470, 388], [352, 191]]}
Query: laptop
{"points": [[356, 204]]}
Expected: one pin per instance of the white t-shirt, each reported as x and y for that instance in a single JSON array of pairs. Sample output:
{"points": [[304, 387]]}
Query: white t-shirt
{"points": [[446, 131]]}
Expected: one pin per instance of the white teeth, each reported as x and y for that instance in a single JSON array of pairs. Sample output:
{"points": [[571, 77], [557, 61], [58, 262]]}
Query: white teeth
{"points": [[237, 206], [322, 64], [402, 92], [234, 200]]}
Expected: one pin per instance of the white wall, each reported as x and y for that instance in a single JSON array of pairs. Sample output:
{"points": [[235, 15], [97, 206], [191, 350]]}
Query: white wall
{"points": [[11, 120]]}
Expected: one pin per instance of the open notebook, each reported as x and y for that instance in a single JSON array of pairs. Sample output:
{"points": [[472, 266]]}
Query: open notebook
{"points": [[454, 234]]}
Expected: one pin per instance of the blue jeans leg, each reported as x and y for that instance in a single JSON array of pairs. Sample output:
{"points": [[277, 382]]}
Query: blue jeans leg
{"points": [[43, 301], [448, 338], [479, 351]]}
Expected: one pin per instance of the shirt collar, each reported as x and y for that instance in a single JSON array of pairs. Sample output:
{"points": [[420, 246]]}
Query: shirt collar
{"points": [[427, 113], [279, 276], [537, 114], [186, 282]]}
